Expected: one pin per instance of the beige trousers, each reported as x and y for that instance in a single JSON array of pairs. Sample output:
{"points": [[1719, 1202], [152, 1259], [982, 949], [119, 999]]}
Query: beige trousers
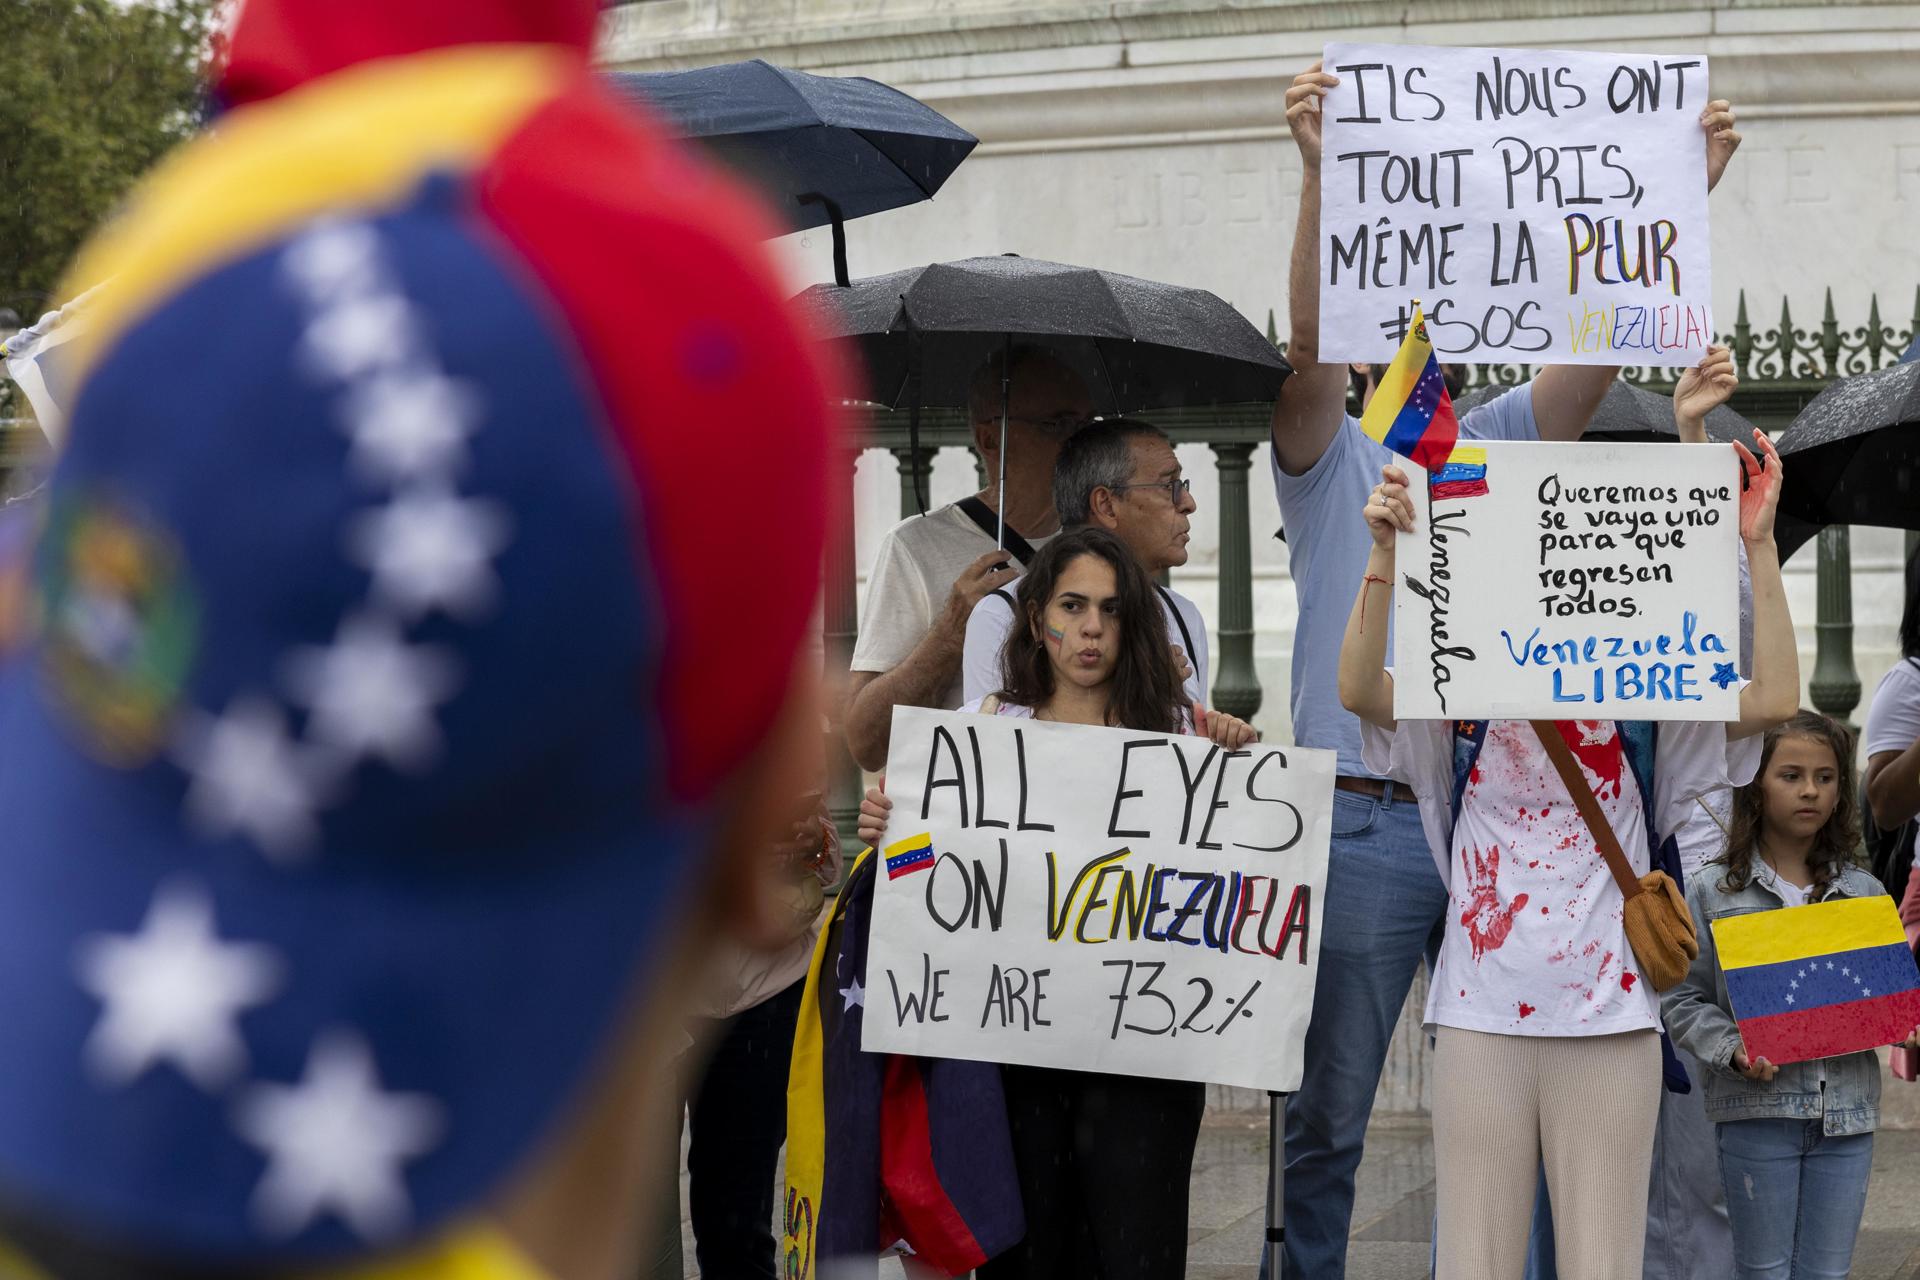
{"points": [[1586, 1106]]}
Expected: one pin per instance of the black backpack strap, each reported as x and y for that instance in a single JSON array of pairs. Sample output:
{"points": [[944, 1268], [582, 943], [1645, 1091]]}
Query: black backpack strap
{"points": [[1002, 593], [982, 515], [1179, 619]]}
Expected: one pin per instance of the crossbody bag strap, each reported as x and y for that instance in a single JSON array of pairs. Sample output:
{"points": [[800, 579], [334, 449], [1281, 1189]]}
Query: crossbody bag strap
{"points": [[988, 523], [1179, 619], [1589, 806]]}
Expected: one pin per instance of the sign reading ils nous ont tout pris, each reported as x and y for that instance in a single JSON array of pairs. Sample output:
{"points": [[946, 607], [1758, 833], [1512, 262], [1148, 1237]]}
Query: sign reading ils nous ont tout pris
{"points": [[1544, 206], [1570, 581], [1098, 899]]}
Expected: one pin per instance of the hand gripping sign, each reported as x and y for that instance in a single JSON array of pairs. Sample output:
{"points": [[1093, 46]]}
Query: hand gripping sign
{"points": [[1100, 899]]}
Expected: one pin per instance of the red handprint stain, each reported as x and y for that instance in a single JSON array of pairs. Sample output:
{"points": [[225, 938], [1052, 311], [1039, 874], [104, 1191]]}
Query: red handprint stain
{"points": [[1487, 922], [1597, 748]]}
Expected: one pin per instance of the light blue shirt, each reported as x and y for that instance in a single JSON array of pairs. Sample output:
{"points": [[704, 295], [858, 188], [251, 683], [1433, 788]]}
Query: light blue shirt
{"points": [[1327, 545]]}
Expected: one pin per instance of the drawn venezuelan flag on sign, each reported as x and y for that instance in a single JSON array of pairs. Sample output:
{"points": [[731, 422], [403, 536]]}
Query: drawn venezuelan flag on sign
{"points": [[904, 857], [1811, 982], [1464, 475]]}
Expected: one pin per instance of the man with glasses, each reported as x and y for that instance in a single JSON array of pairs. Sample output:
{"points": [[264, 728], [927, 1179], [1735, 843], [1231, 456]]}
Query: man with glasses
{"points": [[932, 569], [1124, 477]]}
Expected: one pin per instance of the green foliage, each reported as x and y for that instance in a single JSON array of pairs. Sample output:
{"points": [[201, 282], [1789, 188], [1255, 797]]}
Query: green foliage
{"points": [[92, 92]]}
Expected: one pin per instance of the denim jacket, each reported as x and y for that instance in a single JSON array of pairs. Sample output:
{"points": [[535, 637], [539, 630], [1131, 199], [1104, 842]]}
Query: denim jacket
{"points": [[1843, 1093]]}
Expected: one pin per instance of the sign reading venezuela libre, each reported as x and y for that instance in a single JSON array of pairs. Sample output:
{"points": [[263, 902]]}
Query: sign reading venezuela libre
{"points": [[1816, 981]]}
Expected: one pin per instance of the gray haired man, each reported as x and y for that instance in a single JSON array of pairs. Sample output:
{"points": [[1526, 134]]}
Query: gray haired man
{"points": [[1124, 477]]}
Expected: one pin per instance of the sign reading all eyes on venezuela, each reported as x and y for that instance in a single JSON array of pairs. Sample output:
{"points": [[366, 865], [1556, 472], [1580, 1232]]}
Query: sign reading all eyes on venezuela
{"points": [[1099, 899]]}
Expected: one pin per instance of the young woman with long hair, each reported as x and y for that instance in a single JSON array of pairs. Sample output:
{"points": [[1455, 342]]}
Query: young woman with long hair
{"points": [[1796, 1141], [1103, 1160]]}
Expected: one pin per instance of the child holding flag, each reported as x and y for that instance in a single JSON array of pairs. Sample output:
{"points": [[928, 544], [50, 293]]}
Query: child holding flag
{"points": [[1796, 1140], [1548, 1051]]}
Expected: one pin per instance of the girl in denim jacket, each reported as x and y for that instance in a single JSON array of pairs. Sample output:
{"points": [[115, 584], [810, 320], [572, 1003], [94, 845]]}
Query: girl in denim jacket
{"points": [[1796, 1141]]}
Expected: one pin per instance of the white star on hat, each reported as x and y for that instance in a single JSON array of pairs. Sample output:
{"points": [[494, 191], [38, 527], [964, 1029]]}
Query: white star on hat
{"points": [[333, 258], [429, 549], [358, 335], [172, 992], [249, 777], [371, 693], [335, 1143], [407, 425]]}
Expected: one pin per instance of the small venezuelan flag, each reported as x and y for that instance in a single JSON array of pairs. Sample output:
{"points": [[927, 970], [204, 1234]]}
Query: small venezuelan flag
{"points": [[904, 857], [1812, 982], [1464, 475], [1411, 412]]}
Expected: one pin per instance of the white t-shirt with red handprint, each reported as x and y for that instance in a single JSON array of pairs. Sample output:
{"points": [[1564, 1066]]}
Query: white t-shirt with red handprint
{"points": [[1535, 943]]}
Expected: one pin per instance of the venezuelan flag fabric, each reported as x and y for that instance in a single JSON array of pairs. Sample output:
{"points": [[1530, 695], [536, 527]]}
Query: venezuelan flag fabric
{"points": [[885, 1150], [1411, 412], [1816, 981]]}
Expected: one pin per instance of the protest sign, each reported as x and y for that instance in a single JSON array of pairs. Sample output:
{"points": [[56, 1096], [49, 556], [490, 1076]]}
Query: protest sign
{"points": [[1815, 981], [1555, 581], [1100, 899], [1544, 206]]}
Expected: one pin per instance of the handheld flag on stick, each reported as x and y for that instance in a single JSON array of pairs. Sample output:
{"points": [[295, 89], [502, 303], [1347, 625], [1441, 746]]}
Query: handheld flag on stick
{"points": [[1411, 412], [1812, 982]]}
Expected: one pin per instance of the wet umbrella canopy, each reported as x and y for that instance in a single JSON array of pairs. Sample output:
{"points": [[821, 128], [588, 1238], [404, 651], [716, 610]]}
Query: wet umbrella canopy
{"points": [[1856, 452], [1138, 344], [824, 148]]}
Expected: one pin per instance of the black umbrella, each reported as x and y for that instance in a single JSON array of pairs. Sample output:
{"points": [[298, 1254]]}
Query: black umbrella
{"points": [[1636, 415], [1856, 452], [1139, 345], [826, 148]]}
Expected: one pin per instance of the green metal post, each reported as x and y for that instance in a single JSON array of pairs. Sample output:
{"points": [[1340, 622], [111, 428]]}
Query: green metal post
{"points": [[1835, 687], [908, 461], [840, 626], [1236, 686]]}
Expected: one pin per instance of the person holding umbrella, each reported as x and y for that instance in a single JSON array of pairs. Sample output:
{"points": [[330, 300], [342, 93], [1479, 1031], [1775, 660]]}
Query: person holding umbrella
{"points": [[932, 569], [1385, 902]]}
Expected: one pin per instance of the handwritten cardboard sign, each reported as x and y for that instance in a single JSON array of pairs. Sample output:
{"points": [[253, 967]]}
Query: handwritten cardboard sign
{"points": [[1066, 896], [1545, 206], [1563, 581]]}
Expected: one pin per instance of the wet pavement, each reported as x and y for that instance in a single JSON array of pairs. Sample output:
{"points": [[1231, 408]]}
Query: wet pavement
{"points": [[1393, 1206]]}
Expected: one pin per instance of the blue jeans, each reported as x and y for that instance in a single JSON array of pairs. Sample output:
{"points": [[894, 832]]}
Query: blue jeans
{"points": [[1795, 1196], [1384, 913]]}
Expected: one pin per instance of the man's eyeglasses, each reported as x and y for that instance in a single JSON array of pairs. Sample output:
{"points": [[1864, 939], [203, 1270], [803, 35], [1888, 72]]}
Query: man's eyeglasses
{"points": [[1175, 488]]}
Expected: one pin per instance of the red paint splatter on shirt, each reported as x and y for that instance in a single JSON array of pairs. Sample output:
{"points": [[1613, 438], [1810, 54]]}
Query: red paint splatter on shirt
{"points": [[1627, 980], [1597, 747], [1525, 1009], [1487, 922]]}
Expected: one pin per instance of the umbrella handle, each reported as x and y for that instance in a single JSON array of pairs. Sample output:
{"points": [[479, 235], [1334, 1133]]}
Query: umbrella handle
{"points": [[839, 233]]}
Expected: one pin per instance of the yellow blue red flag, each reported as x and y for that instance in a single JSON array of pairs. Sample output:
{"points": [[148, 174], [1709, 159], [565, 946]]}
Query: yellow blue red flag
{"points": [[1411, 412], [1815, 981]]}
